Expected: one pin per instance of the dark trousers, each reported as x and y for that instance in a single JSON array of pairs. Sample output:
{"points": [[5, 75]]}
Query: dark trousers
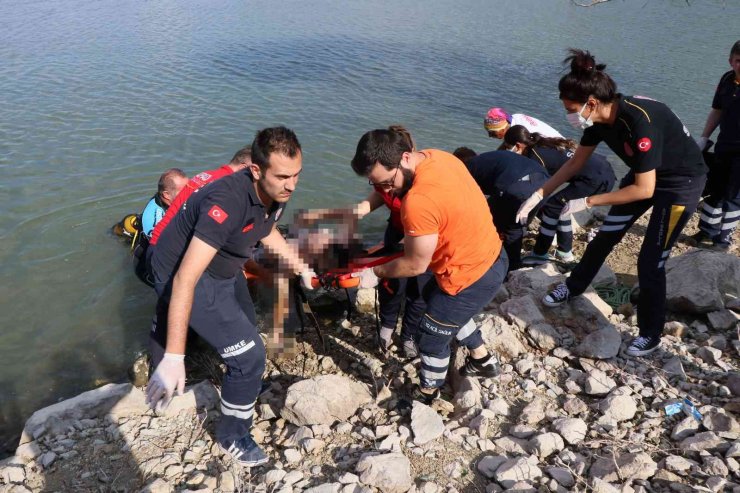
{"points": [[223, 315], [552, 224], [720, 212], [672, 208], [449, 316], [393, 292], [504, 207]]}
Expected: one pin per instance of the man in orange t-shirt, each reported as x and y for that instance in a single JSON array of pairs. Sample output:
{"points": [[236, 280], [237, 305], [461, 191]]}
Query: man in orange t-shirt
{"points": [[449, 230]]}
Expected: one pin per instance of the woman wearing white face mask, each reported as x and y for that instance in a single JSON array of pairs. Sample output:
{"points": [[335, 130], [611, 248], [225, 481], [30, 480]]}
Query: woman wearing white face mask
{"points": [[667, 173]]}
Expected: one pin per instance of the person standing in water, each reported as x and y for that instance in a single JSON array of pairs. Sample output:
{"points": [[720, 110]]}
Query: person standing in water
{"points": [[667, 173]]}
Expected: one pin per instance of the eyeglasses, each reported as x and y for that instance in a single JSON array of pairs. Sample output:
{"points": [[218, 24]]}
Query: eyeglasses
{"points": [[386, 183]]}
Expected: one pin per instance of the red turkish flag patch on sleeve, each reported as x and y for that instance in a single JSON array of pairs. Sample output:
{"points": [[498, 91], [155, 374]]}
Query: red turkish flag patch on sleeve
{"points": [[217, 214], [644, 144]]}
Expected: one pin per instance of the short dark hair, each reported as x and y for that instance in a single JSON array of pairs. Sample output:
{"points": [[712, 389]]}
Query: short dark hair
{"points": [[380, 146], [586, 78], [280, 140], [464, 154], [242, 156], [735, 49], [167, 179]]}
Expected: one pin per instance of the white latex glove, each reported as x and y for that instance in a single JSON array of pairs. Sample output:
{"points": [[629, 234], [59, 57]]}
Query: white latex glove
{"points": [[523, 213], [702, 142], [573, 206], [306, 277], [168, 378], [368, 279]]}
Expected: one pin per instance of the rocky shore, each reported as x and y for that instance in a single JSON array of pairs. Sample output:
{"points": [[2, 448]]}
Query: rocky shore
{"points": [[568, 413]]}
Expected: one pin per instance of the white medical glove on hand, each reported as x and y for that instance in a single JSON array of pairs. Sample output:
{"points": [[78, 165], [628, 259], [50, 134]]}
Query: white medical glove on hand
{"points": [[167, 378], [573, 206], [368, 279], [523, 213], [702, 142], [306, 279]]}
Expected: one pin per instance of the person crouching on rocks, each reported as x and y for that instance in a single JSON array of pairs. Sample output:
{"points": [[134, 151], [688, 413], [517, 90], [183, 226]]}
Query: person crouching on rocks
{"points": [[449, 230], [597, 176], [667, 173]]}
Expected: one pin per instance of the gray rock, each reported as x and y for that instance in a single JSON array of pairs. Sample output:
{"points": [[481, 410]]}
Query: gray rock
{"points": [[674, 367], [701, 281], [723, 319], [602, 344], [324, 488], [292, 456], [487, 465], [159, 485], [323, 400], [500, 407], [534, 281], [573, 405], [685, 428], [274, 476], [733, 383], [28, 451], [501, 337], [546, 444], [511, 445], [390, 473], [426, 424], [47, 459], [292, 478], [13, 474], [715, 483], [598, 383], [733, 451], [519, 469], [522, 311], [707, 440], [544, 336], [348, 478], [619, 407], [626, 466], [479, 425], [722, 424], [573, 430], [678, 464], [709, 355], [534, 412], [227, 482], [605, 277], [675, 329], [714, 466], [298, 436], [601, 486], [562, 475]]}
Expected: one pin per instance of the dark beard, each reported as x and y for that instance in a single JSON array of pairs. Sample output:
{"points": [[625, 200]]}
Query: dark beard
{"points": [[408, 180]]}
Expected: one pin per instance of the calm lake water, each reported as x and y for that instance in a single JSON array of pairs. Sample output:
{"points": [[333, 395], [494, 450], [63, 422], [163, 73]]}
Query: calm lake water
{"points": [[98, 97]]}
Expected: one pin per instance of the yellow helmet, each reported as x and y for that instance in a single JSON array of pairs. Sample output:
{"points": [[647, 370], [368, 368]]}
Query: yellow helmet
{"points": [[131, 224]]}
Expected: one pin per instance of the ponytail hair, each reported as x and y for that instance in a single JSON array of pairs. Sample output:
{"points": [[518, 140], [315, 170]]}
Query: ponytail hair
{"points": [[518, 134], [586, 78]]}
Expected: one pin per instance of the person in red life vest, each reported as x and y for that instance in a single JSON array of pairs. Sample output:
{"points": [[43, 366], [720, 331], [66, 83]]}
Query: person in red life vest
{"points": [[240, 161], [720, 213], [393, 292], [667, 173]]}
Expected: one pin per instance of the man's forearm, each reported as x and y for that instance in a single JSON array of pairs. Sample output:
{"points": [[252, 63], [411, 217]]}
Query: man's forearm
{"points": [[178, 316], [401, 267], [713, 119]]}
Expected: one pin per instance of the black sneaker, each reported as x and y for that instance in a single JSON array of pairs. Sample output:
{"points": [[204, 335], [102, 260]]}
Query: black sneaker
{"points": [[557, 296], [642, 346], [720, 247], [701, 239], [488, 369], [246, 452], [424, 397]]}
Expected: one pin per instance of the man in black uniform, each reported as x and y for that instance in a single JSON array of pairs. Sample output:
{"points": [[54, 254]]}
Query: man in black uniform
{"points": [[195, 265], [721, 210], [508, 179]]}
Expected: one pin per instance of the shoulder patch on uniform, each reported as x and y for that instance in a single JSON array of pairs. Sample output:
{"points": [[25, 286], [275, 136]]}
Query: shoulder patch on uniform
{"points": [[217, 214], [644, 144]]}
